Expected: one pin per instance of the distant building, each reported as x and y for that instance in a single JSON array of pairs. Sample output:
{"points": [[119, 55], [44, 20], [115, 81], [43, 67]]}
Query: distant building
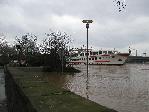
{"points": [[138, 59]]}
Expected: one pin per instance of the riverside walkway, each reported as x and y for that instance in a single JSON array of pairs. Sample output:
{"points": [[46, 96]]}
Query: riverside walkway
{"points": [[2, 92], [28, 91]]}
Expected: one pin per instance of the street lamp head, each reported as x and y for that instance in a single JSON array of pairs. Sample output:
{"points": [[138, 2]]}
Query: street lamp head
{"points": [[87, 21]]}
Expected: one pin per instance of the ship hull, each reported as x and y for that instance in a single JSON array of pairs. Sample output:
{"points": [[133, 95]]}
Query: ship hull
{"points": [[100, 57], [115, 59]]}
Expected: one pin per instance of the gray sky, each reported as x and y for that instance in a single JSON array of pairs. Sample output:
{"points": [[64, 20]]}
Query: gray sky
{"points": [[110, 29]]}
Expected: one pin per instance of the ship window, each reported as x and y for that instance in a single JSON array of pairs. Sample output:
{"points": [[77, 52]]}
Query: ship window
{"points": [[75, 59], [82, 54], [95, 53], [109, 52], [86, 54], [91, 53], [95, 58], [119, 59], [113, 56], [92, 58], [89, 58], [104, 52], [99, 57], [75, 55], [100, 52]]}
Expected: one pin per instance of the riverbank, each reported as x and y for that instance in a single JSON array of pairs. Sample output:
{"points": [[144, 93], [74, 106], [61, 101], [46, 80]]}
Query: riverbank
{"points": [[3, 102], [28, 91], [3, 106]]}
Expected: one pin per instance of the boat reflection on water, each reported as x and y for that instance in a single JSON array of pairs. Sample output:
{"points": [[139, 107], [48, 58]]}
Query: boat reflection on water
{"points": [[123, 88]]}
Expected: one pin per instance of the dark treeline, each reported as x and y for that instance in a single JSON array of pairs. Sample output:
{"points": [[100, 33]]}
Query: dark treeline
{"points": [[51, 53]]}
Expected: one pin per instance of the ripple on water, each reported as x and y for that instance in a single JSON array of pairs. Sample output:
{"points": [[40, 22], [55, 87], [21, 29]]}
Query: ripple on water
{"points": [[123, 88]]}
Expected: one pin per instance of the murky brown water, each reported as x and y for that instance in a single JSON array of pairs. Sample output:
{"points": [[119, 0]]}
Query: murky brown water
{"points": [[123, 88]]}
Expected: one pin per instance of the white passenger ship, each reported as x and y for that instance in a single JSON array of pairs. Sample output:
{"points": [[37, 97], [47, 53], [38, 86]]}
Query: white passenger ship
{"points": [[101, 57]]}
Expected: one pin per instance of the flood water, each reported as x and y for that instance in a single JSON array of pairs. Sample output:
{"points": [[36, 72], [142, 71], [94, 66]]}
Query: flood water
{"points": [[2, 92], [123, 88]]}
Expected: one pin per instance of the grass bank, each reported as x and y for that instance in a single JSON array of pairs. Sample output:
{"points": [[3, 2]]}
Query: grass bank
{"points": [[46, 97]]}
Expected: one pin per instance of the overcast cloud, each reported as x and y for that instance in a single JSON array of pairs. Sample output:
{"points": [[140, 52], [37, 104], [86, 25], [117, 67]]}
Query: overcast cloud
{"points": [[110, 29]]}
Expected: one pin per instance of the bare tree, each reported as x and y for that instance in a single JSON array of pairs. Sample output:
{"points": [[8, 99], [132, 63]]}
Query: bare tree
{"points": [[56, 41], [3, 45], [27, 47], [55, 47], [28, 43], [6, 51]]}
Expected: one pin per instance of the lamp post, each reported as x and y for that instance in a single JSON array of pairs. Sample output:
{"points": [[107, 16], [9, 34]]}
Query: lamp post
{"points": [[87, 22], [144, 54]]}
